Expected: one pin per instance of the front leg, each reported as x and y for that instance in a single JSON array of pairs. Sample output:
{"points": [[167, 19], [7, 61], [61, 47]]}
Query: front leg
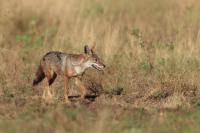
{"points": [[66, 89], [81, 87]]}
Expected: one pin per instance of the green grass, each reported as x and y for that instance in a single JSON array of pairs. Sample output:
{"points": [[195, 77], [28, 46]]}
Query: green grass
{"points": [[60, 118]]}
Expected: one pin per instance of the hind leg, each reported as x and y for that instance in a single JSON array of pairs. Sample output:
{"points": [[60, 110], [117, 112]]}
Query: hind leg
{"points": [[49, 80], [46, 92], [49, 95]]}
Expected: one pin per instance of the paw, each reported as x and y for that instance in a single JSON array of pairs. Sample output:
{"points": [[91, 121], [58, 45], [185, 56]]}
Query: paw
{"points": [[67, 102]]}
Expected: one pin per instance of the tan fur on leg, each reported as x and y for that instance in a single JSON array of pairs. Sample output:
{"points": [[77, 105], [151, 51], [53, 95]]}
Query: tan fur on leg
{"points": [[66, 90], [81, 87], [44, 93], [49, 95]]}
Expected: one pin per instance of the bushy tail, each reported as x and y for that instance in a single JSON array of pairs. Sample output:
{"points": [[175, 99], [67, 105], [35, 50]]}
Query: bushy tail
{"points": [[39, 76]]}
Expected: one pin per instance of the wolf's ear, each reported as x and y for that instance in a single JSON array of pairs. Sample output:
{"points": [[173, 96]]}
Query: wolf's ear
{"points": [[86, 49]]}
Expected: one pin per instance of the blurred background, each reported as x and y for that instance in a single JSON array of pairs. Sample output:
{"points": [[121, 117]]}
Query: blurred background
{"points": [[151, 49]]}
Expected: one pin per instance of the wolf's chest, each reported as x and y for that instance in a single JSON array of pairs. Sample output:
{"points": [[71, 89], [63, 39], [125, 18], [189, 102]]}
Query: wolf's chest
{"points": [[79, 69]]}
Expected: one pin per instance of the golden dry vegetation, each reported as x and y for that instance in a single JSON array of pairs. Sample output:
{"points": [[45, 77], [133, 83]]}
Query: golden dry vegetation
{"points": [[151, 49]]}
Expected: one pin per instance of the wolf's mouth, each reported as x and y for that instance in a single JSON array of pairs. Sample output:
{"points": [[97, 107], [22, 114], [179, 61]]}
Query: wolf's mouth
{"points": [[97, 67]]}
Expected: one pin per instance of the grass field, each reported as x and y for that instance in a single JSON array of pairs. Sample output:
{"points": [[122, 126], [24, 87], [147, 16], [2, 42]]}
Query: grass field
{"points": [[151, 49]]}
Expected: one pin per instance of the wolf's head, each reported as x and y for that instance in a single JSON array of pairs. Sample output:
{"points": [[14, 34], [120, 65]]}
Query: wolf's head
{"points": [[93, 60]]}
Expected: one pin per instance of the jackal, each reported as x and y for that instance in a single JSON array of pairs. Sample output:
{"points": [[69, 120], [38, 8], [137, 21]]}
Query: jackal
{"points": [[67, 65]]}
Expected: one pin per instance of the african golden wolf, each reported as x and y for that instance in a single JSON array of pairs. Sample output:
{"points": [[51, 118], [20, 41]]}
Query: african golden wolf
{"points": [[67, 65]]}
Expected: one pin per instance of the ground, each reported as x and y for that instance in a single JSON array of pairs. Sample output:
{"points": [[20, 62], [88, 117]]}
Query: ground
{"points": [[110, 111]]}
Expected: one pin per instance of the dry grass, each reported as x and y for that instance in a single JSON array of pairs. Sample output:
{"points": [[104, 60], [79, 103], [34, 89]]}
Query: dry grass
{"points": [[151, 49]]}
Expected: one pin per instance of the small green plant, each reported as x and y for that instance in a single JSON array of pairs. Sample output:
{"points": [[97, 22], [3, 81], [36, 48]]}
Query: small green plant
{"points": [[24, 38], [165, 45], [138, 35], [95, 10], [145, 65], [162, 61], [98, 9]]}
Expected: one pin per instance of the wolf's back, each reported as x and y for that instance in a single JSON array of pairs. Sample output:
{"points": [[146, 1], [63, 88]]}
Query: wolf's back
{"points": [[55, 61], [54, 58]]}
